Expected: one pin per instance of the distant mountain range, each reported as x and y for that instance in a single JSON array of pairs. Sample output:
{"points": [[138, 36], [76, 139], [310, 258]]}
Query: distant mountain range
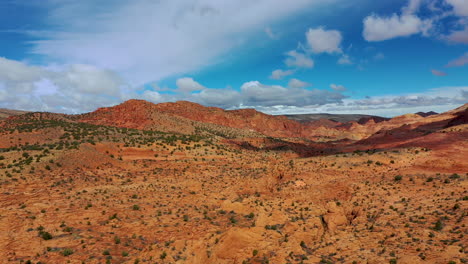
{"points": [[341, 118]]}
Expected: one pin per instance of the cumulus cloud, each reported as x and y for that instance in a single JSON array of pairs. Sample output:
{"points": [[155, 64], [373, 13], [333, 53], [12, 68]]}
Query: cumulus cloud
{"points": [[72, 88], [225, 98], [378, 28], [255, 93], [187, 84], [152, 96], [337, 87], [280, 74], [298, 59], [321, 40], [438, 73], [461, 61], [296, 83]]}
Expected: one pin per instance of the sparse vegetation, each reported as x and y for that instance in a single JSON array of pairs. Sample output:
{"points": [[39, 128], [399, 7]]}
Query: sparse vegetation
{"points": [[115, 194]]}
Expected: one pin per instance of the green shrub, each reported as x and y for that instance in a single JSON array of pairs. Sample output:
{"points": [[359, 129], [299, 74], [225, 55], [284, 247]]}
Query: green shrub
{"points": [[438, 225], [67, 252], [45, 235]]}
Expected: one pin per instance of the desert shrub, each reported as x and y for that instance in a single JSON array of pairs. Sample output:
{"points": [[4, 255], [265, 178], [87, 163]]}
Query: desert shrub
{"points": [[438, 225], [45, 235], [67, 252]]}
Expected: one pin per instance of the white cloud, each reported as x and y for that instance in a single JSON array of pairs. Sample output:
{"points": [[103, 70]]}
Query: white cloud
{"points": [[187, 84], [321, 40], [224, 98], [80, 88], [72, 88], [458, 36], [460, 7], [345, 60], [280, 74], [153, 96], [337, 87], [60, 90], [15, 73], [256, 94], [298, 59], [438, 100], [296, 83], [383, 28], [434, 99], [88, 80], [380, 28], [412, 7], [145, 40], [377, 28]]}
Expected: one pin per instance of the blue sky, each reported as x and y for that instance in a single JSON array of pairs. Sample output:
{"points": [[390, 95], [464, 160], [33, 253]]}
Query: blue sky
{"points": [[374, 57]]}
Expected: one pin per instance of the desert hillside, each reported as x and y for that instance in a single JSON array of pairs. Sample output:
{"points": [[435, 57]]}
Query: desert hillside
{"points": [[5, 113], [184, 183]]}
